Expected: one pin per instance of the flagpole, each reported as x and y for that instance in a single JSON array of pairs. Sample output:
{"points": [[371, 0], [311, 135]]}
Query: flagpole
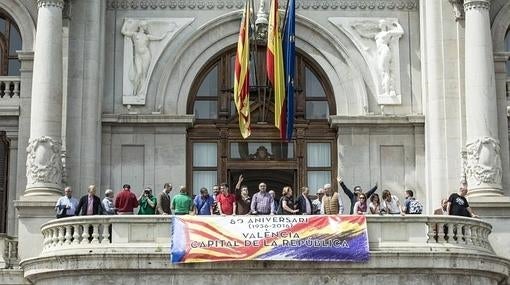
{"points": [[285, 16]]}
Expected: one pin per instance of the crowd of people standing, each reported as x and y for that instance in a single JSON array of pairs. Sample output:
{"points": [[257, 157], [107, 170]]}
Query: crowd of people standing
{"points": [[224, 201]]}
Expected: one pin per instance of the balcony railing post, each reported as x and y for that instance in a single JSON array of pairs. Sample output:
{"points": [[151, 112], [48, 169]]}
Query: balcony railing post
{"points": [[16, 89], [68, 237], [61, 235], [106, 233], [95, 233], [76, 235]]}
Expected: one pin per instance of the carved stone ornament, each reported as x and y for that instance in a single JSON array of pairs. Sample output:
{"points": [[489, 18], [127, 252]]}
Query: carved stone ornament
{"points": [[144, 42], [483, 161], [44, 163], [261, 154], [458, 9], [50, 3], [362, 5], [378, 42]]}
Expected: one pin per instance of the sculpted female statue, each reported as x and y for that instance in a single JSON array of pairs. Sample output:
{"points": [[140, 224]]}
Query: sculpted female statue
{"points": [[385, 32], [138, 32], [388, 32]]}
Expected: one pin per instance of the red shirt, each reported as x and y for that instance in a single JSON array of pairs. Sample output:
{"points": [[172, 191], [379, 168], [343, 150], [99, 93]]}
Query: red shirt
{"points": [[125, 201], [227, 203]]}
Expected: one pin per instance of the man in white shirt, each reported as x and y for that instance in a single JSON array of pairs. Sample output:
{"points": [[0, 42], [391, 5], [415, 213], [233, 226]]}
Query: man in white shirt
{"points": [[67, 204]]}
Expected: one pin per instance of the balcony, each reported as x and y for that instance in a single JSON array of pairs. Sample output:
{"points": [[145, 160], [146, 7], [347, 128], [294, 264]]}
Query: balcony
{"points": [[8, 252], [9, 95], [425, 249]]}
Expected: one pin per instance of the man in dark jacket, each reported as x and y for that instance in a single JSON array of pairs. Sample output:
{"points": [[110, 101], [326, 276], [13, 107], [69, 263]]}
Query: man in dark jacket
{"points": [[353, 196], [304, 203], [90, 204]]}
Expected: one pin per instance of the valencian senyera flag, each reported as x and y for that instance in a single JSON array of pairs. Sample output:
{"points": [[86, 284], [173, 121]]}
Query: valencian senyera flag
{"points": [[299, 238], [274, 64], [242, 73], [289, 55]]}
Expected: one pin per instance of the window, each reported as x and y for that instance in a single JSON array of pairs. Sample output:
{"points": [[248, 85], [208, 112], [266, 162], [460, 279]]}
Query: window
{"points": [[262, 150], [206, 105], [318, 164], [213, 91], [316, 101], [218, 153], [10, 42], [205, 162]]}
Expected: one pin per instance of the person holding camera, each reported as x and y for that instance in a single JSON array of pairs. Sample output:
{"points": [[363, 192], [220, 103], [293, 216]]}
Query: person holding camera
{"points": [[147, 202]]}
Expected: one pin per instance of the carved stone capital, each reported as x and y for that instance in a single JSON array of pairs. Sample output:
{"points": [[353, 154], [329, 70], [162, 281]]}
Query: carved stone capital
{"points": [[458, 9], [483, 161], [50, 3], [477, 4], [44, 163]]}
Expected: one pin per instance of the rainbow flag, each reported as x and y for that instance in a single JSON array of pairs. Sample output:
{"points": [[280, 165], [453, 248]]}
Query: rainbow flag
{"points": [[305, 238], [242, 73], [274, 64]]}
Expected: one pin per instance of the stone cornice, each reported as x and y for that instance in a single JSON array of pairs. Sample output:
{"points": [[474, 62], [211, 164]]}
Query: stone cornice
{"points": [[50, 3], [186, 120], [238, 4], [338, 121], [477, 4]]}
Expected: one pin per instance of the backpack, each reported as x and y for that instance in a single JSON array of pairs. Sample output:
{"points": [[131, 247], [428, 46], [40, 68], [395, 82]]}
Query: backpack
{"points": [[415, 207]]}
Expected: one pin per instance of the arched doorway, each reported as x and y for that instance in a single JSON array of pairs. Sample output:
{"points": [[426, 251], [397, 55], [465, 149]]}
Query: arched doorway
{"points": [[218, 153]]}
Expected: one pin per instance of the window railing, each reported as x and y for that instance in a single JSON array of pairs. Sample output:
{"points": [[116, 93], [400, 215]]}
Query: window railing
{"points": [[8, 252], [145, 234], [9, 87]]}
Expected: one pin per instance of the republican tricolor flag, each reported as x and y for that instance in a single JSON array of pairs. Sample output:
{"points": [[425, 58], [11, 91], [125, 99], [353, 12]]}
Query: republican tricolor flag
{"points": [[289, 55], [242, 73], [275, 72]]}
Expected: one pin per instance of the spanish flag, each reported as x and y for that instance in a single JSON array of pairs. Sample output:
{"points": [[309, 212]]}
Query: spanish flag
{"points": [[242, 76], [274, 62]]}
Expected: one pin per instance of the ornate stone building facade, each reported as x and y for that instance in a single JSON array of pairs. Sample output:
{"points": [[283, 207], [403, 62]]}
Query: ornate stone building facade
{"points": [[409, 94]]}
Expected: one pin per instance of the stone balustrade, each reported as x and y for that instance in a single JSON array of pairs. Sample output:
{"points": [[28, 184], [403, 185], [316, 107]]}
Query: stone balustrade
{"points": [[136, 250], [9, 87], [134, 234], [152, 234], [8, 252]]}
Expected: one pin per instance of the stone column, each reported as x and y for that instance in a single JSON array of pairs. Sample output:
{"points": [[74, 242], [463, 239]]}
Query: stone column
{"points": [[483, 160], [85, 80], [436, 170], [44, 165], [13, 153]]}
